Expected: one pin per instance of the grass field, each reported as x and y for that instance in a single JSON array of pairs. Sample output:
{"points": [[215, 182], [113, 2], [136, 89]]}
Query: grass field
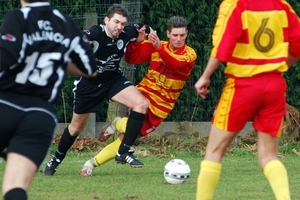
{"points": [[241, 178]]}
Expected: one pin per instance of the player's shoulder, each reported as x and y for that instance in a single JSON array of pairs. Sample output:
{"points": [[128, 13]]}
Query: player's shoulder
{"points": [[164, 42], [14, 17], [13, 14], [97, 29], [191, 52], [63, 17]]}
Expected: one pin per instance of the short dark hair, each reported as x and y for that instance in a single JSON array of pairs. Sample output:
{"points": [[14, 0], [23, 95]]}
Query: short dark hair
{"points": [[177, 22], [116, 8]]}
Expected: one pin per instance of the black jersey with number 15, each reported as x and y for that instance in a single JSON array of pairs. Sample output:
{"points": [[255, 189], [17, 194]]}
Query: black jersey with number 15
{"points": [[36, 42]]}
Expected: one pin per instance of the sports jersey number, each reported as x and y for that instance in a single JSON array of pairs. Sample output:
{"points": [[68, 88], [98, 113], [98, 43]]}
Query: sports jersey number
{"points": [[38, 68], [263, 30]]}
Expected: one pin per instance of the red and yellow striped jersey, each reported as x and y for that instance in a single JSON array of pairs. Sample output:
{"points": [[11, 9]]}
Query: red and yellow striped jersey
{"points": [[255, 36], [167, 73]]}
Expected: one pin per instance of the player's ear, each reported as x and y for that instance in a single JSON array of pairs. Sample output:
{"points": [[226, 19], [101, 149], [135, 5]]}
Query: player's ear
{"points": [[168, 33], [105, 20]]}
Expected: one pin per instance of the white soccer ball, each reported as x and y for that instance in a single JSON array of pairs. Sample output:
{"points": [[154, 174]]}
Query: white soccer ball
{"points": [[177, 171]]}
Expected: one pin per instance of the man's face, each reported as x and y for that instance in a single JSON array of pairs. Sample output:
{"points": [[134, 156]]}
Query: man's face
{"points": [[115, 25], [177, 37]]}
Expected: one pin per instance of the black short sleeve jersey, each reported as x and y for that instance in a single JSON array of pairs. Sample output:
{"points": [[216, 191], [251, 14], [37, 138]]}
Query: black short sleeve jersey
{"points": [[108, 51], [38, 41]]}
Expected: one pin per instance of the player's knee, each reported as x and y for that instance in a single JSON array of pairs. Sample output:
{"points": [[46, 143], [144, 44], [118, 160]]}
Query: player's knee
{"points": [[75, 129], [140, 104], [263, 160]]}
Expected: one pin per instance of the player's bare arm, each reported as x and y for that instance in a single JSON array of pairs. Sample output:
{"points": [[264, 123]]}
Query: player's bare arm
{"points": [[202, 84]]}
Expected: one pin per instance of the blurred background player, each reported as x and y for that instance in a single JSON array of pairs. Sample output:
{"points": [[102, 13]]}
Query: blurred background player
{"points": [[171, 63], [254, 38], [109, 42], [32, 70]]}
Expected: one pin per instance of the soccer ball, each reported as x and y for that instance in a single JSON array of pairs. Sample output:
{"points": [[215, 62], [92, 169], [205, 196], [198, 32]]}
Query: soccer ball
{"points": [[177, 171]]}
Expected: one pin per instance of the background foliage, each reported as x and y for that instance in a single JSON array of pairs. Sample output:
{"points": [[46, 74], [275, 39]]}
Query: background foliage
{"points": [[201, 15]]}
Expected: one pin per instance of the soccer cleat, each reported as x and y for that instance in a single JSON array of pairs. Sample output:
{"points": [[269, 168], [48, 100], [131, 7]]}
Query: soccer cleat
{"points": [[87, 170], [51, 166], [128, 158], [108, 130]]}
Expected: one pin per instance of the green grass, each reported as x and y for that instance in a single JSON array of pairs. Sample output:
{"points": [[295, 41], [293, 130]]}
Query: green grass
{"points": [[241, 179]]}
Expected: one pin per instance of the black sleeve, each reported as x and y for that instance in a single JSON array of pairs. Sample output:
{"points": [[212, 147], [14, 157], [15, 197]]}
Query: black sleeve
{"points": [[6, 60], [11, 39], [78, 61], [138, 26], [94, 32], [82, 55]]}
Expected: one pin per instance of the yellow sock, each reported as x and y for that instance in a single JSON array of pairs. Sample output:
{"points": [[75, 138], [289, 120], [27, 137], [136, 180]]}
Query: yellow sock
{"points": [[121, 124], [107, 153], [278, 179], [208, 179]]}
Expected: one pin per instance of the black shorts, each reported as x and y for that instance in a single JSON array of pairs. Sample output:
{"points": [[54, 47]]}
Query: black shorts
{"points": [[88, 96], [26, 130]]}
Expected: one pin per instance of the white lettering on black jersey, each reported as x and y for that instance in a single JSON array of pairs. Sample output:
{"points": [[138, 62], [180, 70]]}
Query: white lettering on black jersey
{"points": [[37, 42], [108, 51]]}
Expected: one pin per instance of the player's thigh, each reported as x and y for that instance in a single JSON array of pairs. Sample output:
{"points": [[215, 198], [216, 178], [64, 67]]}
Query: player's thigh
{"points": [[267, 147], [218, 142], [130, 97], [19, 171], [78, 122]]}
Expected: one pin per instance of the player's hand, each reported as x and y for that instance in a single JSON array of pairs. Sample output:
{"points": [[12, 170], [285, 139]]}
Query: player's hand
{"points": [[154, 39], [142, 35], [201, 86]]}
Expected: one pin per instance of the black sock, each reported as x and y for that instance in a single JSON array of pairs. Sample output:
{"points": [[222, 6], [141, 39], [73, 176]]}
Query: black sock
{"points": [[66, 141], [16, 193], [133, 129]]}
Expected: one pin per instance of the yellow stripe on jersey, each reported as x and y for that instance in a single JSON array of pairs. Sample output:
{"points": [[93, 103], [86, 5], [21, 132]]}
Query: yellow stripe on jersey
{"points": [[154, 87], [280, 128], [250, 70], [159, 101], [158, 112], [190, 56], [162, 82], [221, 117]]}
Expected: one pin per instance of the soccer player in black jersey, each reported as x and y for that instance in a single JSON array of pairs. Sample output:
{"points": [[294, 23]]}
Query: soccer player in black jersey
{"points": [[109, 41], [38, 45]]}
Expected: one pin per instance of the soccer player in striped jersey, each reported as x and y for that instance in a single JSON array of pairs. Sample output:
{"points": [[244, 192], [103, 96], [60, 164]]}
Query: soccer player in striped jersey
{"points": [[254, 38], [171, 63], [38, 45]]}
